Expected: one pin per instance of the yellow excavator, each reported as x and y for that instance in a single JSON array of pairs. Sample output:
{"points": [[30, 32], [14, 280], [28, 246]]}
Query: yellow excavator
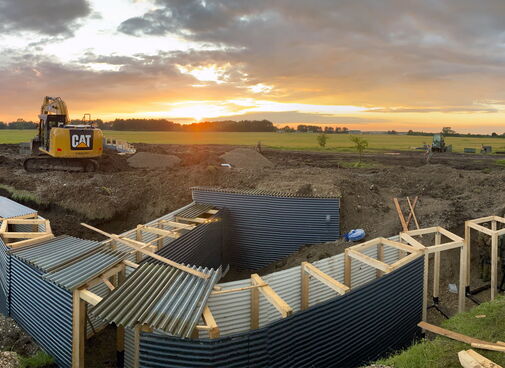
{"points": [[60, 145]]}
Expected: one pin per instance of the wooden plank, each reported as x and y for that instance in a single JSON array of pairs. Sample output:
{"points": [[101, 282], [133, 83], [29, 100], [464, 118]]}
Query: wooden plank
{"points": [[472, 359], [462, 280], [426, 230], [194, 219], [483, 219], [380, 257], [99, 279], [444, 247], [468, 244], [436, 267], [163, 232], [367, 244], [413, 242], [452, 335], [449, 235], [178, 224], [305, 285], [400, 215], [425, 286], [108, 283], [494, 266], [284, 309], [23, 235], [480, 228], [120, 339], [369, 260], [398, 245], [405, 260], [492, 347], [78, 330], [136, 346], [137, 246], [89, 297], [37, 240], [20, 221], [227, 291], [414, 204], [325, 279], [347, 269], [130, 264], [412, 213], [211, 323], [255, 307], [3, 227]]}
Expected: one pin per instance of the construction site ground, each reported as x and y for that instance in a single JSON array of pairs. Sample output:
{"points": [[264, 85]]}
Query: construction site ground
{"points": [[451, 189]]}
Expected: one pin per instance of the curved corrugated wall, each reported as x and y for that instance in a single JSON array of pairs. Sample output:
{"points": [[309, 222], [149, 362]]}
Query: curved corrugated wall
{"points": [[345, 331], [267, 228], [42, 309], [4, 279]]}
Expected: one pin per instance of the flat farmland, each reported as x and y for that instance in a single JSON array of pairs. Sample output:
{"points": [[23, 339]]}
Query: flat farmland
{"points": [[291, 141]]}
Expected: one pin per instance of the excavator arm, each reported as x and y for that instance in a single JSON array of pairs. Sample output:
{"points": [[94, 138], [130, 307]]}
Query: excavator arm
{"points": [[54, 106]]}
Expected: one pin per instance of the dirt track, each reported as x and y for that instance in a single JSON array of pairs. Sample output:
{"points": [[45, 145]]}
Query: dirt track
{"points": [[452, 189]]}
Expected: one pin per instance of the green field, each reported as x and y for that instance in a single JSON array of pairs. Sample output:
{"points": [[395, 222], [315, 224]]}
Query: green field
{"points": [[295, 141]]}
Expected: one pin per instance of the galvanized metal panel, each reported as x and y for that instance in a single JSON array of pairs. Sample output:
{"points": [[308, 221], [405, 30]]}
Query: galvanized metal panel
{"points": [[76, 274], [346, 331], [10, 209], [267, 228], [160, 296], [42, 309], [195, 210], [53, 253], [4, 278]]}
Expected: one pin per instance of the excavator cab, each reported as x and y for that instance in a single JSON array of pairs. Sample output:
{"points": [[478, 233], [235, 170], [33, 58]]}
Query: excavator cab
{"points": [[46, 123]]}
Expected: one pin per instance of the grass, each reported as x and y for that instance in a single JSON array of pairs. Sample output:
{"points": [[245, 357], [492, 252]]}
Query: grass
{"points": [[40, 360], [443, 352], [20, 195], [292, 141]]}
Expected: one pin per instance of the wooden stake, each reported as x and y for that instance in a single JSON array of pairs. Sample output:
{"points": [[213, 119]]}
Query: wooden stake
{"points": [[255, 307], [468, 242], [436, 268], [380, 257], [400, 215], [462, 280], [494, 265], [412, 213], [425, 286]]}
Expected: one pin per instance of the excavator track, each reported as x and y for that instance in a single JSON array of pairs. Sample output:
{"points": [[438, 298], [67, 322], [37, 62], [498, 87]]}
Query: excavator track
{"points": [[47, 163]]}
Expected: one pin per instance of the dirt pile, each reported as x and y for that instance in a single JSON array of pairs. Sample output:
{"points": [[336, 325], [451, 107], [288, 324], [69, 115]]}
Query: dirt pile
{"points": [[246, 158], [147, 160]]}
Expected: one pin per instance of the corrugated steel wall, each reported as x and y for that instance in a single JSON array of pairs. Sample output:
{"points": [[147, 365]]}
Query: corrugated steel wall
{"points": [[42, 309], [345, 331], [4, 279], [268, 228], [206, 245]]}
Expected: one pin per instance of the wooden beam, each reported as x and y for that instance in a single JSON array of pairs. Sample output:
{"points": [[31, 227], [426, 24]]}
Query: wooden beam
{"points": [[130, 264], [135, 245], [368, 260], [468, 245], [404, 261], [462, 280], [410, 240], [380, 257], [157, 231], [211, 323], [427, 230], [227, 291], [324, 278], [89, 297], [414, 204], [412, 213], [425, 286], [24, 243], [449, 235], [20, 221], [400, 214], [305, 285], [367, 244], [347, 268], [255, 307], [136, 346], [284, 309], [453, 335], [23, 235], [78, 330], [436, 267], [494, 265], [443, 247], [194, 219], [483, 219], [481, 228], [3, 227], [472, 359], [108, 283], [492, 347], [105, 275], [398, 245], [178, 224]]}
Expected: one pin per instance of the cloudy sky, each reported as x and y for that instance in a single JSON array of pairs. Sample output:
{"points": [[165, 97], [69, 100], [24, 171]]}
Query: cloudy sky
{"points": [[368, 64]]}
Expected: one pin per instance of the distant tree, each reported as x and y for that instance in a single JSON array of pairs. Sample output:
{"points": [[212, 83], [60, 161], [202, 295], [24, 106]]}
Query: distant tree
{"points": [[392, 132], [410, 132], [448, 131], [345, 130], [302, 128], [3, 125], [21, 124], [338, 130], [329, 130], [494, 134], [360, 144], [322, 139], [287, 129]]}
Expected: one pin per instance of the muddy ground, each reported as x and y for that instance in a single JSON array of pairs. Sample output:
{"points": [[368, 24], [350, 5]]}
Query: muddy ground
{"points": [[451, 189]]}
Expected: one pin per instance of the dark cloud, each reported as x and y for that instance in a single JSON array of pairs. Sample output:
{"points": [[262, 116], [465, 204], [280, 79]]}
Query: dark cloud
{"points": [[49, 17], [459, 110]]}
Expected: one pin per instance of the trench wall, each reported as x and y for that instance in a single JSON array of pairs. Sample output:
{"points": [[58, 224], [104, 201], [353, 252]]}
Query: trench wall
{"points": [[344, 331], [267, 228]]}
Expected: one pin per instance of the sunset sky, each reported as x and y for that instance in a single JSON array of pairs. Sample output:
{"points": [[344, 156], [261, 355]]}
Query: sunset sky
{"points": [[367, 64]]}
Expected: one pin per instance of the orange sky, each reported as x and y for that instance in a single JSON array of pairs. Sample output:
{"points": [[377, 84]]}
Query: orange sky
{"points": [[367, 65]]}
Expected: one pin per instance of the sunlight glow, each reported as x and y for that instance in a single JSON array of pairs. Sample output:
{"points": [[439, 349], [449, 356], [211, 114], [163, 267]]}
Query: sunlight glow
{"points": [[207, 73]]}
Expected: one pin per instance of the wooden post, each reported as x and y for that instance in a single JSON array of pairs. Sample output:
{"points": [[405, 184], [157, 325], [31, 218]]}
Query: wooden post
{"points": [[138, 237], [305, 282], [436, 269], [78, 330], [494, 264], [468, 242], [160, 240], [347, 269], [380, 257], [462, 279], [120, 339], [136, 346], [255, 306], [425, 286]]}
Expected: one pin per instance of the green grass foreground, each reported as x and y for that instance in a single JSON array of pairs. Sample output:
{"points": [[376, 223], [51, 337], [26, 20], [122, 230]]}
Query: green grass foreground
{"points": [[442, 352], [291, 141]]}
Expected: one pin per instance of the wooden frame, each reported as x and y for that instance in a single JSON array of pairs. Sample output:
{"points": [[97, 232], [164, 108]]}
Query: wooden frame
{"points": [[494, 233], [25, 238], [209, 325], [308, 270], [436, 249], [412, 214], [355, 252], [265, 289]]}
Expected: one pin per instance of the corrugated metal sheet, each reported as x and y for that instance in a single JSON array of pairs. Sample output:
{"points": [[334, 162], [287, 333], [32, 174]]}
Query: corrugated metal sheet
{"points": [[261, 192], [10, 209], [160, 296], [4, 278], [267, 228], [194, 210], [42, 309], [53, 253], [206, 245], [346, 331], [95, 324], [86, 269]]}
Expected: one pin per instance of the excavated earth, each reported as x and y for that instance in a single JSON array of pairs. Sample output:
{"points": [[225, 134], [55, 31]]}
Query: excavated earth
{"points": [[451, 189]]}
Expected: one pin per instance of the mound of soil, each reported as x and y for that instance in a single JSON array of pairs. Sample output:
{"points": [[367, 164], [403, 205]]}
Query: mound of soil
{"points": [[149, 160], [111, 161], [246, 158]]}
